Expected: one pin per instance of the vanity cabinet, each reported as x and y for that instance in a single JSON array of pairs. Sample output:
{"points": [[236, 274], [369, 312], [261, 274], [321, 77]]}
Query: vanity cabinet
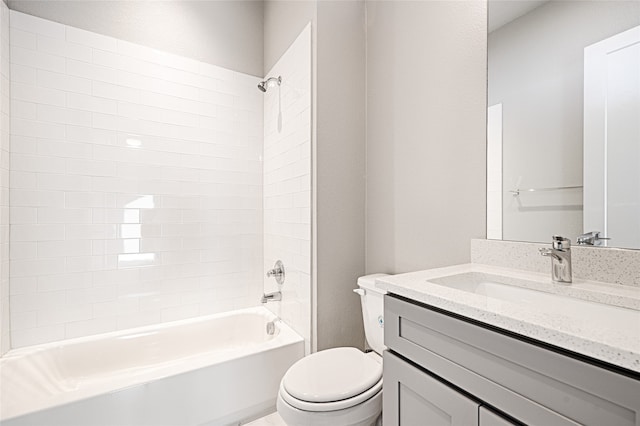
{"points": [[441, 369], [413, 397], [487, 417], [419, 399]]}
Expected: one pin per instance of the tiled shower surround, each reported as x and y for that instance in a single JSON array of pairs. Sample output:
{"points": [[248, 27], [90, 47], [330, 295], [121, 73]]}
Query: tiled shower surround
{"points": [[5, 110], [287, 184], [136, 185]]}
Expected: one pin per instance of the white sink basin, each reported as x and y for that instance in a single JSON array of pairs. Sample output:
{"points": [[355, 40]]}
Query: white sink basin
{"points": [[491, 286]]}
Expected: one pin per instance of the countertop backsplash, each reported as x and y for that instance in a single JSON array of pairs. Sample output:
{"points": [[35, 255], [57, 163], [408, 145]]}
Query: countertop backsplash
{"points": [[609, 265]]}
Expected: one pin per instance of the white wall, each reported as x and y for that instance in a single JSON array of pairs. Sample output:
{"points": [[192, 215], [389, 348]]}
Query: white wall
{"points": [[227, 33], [426, 132], [136, 192], [536, 72], [5, 110], [283, 22], [287, 184]]}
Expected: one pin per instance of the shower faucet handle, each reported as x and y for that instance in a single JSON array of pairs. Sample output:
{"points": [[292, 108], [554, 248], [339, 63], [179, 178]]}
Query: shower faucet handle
{"points": [[277, 272]]}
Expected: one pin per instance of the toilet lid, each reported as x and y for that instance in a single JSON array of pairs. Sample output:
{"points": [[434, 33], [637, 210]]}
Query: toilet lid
{"points": [[332, 375]]}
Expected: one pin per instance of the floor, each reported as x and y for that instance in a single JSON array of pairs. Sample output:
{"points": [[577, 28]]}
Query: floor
{"points": [[270, 420]]}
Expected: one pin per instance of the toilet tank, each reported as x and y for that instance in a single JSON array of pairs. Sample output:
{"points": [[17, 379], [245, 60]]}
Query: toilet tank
{"points": [[372, 311]]}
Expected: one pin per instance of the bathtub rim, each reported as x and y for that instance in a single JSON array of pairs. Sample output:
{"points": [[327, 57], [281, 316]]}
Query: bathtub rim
{"points": [[172, 367], [25, 350]]}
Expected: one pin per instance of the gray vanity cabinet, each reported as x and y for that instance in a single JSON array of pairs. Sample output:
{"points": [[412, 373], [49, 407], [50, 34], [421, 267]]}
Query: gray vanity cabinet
{"points": [[416, 398], [439, 364], [489, 418]]}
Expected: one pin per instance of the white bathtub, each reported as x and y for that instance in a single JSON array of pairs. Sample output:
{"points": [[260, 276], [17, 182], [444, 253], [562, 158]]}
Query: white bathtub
{"points": [[220, 369]]}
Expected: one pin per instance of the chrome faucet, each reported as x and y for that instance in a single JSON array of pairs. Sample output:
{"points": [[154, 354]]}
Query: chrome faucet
{"points": [[560, 255], [277, 272], [276, 296], [592, 238]]}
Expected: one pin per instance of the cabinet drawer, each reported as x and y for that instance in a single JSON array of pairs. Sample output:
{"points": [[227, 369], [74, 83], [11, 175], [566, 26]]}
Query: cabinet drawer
{"points": [[528, 382], [411, 397], [489, 418]]}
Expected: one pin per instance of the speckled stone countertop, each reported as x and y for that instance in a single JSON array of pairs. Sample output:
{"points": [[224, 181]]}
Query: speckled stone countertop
{"points": [[614, 339]]}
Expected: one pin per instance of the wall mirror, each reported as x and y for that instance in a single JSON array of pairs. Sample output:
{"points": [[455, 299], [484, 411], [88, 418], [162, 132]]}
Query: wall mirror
{"points": [[563, 122]]}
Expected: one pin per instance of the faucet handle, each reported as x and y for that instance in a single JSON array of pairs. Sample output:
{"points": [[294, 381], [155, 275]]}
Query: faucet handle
{"points": [[592, 238], [560, 243], [277, 272]]}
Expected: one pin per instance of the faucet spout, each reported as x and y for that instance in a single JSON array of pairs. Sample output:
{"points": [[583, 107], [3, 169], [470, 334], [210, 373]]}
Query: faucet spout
{"points": [[592, 238], [276, 296], [560, 255]]}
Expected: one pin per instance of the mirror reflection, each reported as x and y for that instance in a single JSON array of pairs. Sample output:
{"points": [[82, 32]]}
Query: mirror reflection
{"points": [[563, 154]]}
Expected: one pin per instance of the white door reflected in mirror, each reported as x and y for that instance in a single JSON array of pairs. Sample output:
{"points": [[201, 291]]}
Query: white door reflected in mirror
{"points": [[612, 138]]}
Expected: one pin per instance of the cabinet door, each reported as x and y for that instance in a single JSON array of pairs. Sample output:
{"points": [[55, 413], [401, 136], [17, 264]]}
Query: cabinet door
{"points": [[529, 382], [412, 397], [489, 418]]}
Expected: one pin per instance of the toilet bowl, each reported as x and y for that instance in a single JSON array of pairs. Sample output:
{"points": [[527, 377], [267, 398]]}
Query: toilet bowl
{"points": [[339, 386]]}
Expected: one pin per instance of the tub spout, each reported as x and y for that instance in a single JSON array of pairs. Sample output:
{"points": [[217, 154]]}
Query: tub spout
{"points": [[271, 297]]}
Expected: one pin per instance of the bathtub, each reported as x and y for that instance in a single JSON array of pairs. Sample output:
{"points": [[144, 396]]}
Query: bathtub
{"points": [[215, 370]]}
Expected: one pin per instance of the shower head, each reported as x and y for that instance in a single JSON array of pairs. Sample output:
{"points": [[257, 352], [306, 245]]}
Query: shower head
{"points": [[270, 82]]}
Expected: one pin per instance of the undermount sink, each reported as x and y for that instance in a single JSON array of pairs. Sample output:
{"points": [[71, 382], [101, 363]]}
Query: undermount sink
{"points": [[507, 289]]}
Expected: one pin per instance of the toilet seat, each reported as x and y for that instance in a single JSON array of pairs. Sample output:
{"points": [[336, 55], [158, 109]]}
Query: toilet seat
{"points": [[331, 406], [333, 379], [363, 414]]}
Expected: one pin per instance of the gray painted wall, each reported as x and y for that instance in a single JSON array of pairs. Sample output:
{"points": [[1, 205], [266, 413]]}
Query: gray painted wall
{"points": [[227, 33], [340, 167], [425, 103], [426, 127]]}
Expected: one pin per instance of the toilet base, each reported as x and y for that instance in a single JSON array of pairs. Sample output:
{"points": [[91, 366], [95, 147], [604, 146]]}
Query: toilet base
{"points": [[367, 413]]}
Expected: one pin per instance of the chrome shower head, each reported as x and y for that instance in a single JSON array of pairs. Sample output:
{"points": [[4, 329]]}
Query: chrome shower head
{"points": [[270, 82]]}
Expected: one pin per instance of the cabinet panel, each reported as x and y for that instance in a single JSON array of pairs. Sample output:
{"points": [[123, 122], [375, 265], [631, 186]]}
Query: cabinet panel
{"points": [[489, 418], [412, 397], [533, 384]]}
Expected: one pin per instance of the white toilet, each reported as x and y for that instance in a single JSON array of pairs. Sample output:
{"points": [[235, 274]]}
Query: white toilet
{"points": [[340, 386]]}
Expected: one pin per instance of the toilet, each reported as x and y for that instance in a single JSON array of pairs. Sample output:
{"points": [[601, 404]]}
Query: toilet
{"points": [[339, 386]]}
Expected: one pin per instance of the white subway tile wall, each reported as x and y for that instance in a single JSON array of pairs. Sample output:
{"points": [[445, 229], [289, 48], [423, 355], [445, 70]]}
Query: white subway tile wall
{"points": [[287, 184], [136, 193], [5, 110]]}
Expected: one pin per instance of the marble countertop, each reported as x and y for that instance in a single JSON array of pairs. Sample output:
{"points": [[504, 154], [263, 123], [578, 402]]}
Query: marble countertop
{"points": [[606, 339]]}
